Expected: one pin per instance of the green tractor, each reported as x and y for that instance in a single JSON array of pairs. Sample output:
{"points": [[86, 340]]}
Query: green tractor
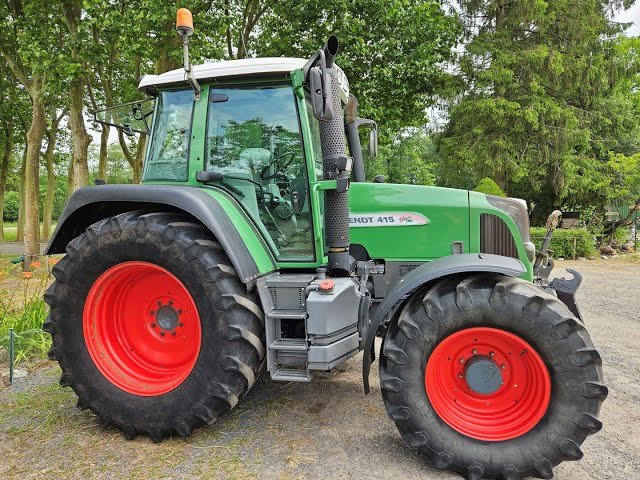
{"points": [[255, 242]]}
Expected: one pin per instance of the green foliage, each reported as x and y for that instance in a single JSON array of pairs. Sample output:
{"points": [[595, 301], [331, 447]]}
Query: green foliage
{"points": [[393, 51], [489, 187], [562, 242], [11, 204], [624, 186], [409, 159]]}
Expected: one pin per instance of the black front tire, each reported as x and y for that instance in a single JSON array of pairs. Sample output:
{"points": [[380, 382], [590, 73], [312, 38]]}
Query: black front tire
{"points": [[232, 348], [454, 304]]}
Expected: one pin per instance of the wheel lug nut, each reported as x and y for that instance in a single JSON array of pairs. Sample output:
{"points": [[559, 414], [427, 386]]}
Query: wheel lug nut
{"points": [[474, 351], [459, 375], [503, 366], [152, 312], [173, 334], [153, 325], [159, 303], [492, 354], [170, 302], [462, 360], [179, 311], [162, 334], [181, 324]]}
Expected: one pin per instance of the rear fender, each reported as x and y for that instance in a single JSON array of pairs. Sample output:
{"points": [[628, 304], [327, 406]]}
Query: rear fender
{"points": [[240, 240], [428, 272]]}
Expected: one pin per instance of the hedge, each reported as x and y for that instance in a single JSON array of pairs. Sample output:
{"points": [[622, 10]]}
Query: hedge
{"points": [[562, 242], [11, 204]]}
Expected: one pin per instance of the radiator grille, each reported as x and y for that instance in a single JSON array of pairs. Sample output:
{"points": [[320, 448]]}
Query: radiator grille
{"points": [[495, 237]]}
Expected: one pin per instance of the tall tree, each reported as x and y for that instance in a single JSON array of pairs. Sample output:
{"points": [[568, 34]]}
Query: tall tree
{"points": [[53, 127], [393, 51], [72, 13], [536, 76], [25, 32]]}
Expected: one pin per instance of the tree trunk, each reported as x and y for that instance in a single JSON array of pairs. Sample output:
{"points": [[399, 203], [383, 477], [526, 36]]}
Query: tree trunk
{"points": [[52, 136], [140, 150], [31, 207], [80, 139], [102, 163], [135, 161], [70, 179], [20, 229], [170, 43], [48, 198], [4, 171]]}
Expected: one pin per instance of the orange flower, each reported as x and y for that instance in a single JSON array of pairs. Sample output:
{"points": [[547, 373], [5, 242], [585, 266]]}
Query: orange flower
{"points": [[53, 261], [36, 264], [27, 275]]}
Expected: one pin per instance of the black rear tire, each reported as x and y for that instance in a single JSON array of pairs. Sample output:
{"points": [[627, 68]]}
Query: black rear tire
{"points": [[232, 324], [521, 308]]}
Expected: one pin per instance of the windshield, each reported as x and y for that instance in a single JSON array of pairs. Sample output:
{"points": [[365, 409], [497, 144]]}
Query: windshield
{"points": [[169, 151], [253, 137]]}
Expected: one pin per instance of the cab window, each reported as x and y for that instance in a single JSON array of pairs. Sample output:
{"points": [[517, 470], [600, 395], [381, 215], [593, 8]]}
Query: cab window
{"points": [[253, 139], [168, 156]]}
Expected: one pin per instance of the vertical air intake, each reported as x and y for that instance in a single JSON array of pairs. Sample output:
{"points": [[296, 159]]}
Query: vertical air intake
{"points": [[334, 155]]}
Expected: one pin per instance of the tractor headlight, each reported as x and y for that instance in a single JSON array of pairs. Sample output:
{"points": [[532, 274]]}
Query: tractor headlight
{"points": [[516, 208], [530, 248]]}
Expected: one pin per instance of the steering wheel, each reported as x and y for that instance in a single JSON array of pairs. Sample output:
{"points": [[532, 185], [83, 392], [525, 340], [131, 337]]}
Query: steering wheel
{"points": [[279, 173]]}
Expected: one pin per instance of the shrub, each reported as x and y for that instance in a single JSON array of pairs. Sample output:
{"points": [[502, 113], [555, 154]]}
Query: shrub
{"points": [[562, 242], [11, 206], [489, 187]]}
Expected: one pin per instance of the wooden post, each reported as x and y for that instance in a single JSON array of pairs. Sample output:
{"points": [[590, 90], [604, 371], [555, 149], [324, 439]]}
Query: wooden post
{"points": [[575, 241]]}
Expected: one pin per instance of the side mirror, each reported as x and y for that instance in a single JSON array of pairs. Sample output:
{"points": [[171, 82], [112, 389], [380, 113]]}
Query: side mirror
{"points": [[321, 94], [373, 134], [315, 70], [373, 143]]}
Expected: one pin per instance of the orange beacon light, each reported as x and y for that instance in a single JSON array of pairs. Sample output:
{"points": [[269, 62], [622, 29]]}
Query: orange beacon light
{"points": [[184, 22]]}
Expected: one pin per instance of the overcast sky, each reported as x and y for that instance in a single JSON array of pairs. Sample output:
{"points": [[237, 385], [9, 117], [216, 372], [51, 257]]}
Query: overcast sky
{"points": [[633, 16]]}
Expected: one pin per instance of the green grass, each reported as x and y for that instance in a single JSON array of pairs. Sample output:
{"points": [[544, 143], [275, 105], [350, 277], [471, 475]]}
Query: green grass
{"points": [[11, 231], [23, 310]]}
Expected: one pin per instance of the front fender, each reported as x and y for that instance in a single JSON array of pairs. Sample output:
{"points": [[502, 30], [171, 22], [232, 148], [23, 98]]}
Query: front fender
{"points": [[428, 272], [219, 213]]}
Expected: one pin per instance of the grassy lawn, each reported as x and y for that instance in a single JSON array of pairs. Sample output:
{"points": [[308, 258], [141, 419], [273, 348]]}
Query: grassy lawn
{"points": [[11, 230]]}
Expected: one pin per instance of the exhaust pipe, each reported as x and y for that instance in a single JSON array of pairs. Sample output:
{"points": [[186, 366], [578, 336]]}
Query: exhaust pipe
{"points": [[336, 166], [331, 50]]}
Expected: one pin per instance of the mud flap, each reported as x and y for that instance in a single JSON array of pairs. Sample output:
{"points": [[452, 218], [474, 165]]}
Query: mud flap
{"points": [[566, 290]]}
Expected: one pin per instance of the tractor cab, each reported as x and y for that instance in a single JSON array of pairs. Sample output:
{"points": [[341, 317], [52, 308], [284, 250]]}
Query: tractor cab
{"points": [[250, 131]]}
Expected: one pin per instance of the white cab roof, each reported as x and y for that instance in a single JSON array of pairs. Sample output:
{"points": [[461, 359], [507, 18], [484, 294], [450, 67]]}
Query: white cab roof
{"points": [[247, 67]]}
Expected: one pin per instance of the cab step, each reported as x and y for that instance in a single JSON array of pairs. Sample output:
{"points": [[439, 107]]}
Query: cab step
{"points": [[290, 345], [292, 375]]}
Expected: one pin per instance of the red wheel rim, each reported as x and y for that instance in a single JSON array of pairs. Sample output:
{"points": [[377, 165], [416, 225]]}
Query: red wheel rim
{"points": [[521, 395], [142, 328]]}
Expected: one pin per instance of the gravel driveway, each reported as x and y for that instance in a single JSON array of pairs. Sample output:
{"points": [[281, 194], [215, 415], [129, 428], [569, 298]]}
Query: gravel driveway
{"points": [[325, 429]]}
